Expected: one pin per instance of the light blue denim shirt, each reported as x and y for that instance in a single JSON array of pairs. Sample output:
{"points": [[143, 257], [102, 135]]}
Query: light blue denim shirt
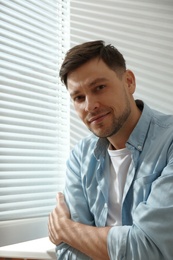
{"points": [[147, 208]]}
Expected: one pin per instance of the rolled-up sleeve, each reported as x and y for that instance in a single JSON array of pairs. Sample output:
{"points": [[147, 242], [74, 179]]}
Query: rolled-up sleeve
{"points": [[117, 242], [65, 252]]}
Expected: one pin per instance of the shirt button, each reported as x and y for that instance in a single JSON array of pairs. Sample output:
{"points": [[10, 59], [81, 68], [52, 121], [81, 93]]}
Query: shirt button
{"points": [[140, 147], [105, 206]]}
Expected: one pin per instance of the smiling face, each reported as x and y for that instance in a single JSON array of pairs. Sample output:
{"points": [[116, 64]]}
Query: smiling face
{"points": [[102, 99]]}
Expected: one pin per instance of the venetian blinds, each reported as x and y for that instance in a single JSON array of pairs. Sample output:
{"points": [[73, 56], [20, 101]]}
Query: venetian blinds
{"points": [[34, 106], [143, 32]]}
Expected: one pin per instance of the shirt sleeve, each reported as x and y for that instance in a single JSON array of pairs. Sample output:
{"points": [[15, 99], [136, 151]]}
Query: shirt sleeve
{"points": [[151, 234], [65, 252], [77, 203]]}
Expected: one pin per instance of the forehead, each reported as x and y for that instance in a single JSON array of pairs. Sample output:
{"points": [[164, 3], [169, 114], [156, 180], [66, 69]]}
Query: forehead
{"points": [[90, 73]]}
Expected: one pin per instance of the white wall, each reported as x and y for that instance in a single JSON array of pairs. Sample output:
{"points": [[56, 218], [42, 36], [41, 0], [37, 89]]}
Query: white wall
{"points": [[143, 32]]}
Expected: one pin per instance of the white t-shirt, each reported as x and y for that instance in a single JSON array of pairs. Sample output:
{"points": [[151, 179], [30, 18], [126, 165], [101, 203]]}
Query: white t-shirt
{"points": [[121, 160]]}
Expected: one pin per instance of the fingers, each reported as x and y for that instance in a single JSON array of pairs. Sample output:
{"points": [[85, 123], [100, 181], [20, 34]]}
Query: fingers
{"points": [[51, 236], [53, 222], [56, 230], [56, 219], [53, 227]]}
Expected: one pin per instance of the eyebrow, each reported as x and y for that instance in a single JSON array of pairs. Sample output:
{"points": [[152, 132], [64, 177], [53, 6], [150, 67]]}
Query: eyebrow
{"points": [[74, 93], [97, 81]]}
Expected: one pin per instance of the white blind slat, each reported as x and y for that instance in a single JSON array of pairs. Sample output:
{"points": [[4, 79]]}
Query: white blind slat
{"points": [[22, 51], [34, 106], [37, 14]]}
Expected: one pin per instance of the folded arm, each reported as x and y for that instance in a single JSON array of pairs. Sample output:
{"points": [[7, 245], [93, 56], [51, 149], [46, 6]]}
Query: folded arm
{"points": [[90, 240]]}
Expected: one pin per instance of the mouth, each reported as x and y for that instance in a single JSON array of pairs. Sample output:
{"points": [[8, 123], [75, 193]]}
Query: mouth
{"points": [[98, 118]]}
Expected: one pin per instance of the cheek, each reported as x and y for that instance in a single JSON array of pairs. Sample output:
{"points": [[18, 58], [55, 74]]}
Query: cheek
{"points": [[80, 111]]}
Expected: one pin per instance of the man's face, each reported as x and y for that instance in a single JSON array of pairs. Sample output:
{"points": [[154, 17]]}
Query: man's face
{"points": [[101, 98]]}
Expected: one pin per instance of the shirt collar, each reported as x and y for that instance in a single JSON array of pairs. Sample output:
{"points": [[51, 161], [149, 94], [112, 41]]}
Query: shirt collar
{"points": [[138, 135], [101, 147]]}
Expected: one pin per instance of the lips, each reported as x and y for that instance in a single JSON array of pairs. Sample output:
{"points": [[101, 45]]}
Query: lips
{"points": [[97, 117]]}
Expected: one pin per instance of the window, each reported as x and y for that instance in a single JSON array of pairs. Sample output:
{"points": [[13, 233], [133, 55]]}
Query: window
{"points": [[34, 125]]}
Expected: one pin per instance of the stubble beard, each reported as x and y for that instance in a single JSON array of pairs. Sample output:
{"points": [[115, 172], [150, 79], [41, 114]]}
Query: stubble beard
{"points": [[117, 123]]}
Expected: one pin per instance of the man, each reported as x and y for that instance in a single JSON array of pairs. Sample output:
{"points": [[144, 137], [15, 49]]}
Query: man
{"points": [[118, 197]]}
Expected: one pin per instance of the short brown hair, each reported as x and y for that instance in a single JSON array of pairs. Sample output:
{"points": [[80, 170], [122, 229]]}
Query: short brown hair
{"points": [[80, 54]]}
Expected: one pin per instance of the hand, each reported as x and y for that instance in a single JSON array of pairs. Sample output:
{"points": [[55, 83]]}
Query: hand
{"points": [[57, 217], [92, 240]]}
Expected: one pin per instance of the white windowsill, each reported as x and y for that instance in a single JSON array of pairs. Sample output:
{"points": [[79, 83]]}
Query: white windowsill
{"points": [[35, 249]]}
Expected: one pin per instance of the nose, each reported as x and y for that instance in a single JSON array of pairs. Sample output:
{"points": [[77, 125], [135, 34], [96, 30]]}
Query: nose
{"points": [[91, 103]]}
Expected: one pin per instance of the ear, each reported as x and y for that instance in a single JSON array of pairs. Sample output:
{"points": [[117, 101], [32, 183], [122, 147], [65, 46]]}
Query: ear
{"points": [[130, 81]]}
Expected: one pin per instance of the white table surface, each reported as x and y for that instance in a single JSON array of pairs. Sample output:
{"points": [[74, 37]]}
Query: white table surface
{"points": [[35, 249]]}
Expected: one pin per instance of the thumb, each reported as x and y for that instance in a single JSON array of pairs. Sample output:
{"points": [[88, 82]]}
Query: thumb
{"points": [[60, 197]]}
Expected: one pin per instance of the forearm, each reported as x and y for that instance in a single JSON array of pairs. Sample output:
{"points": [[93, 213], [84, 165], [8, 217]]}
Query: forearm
{"points": [[92, 241]]}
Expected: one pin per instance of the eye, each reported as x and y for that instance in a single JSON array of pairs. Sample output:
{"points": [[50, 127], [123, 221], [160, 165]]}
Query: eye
{"points": [[79, 98], [100, 87]]}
